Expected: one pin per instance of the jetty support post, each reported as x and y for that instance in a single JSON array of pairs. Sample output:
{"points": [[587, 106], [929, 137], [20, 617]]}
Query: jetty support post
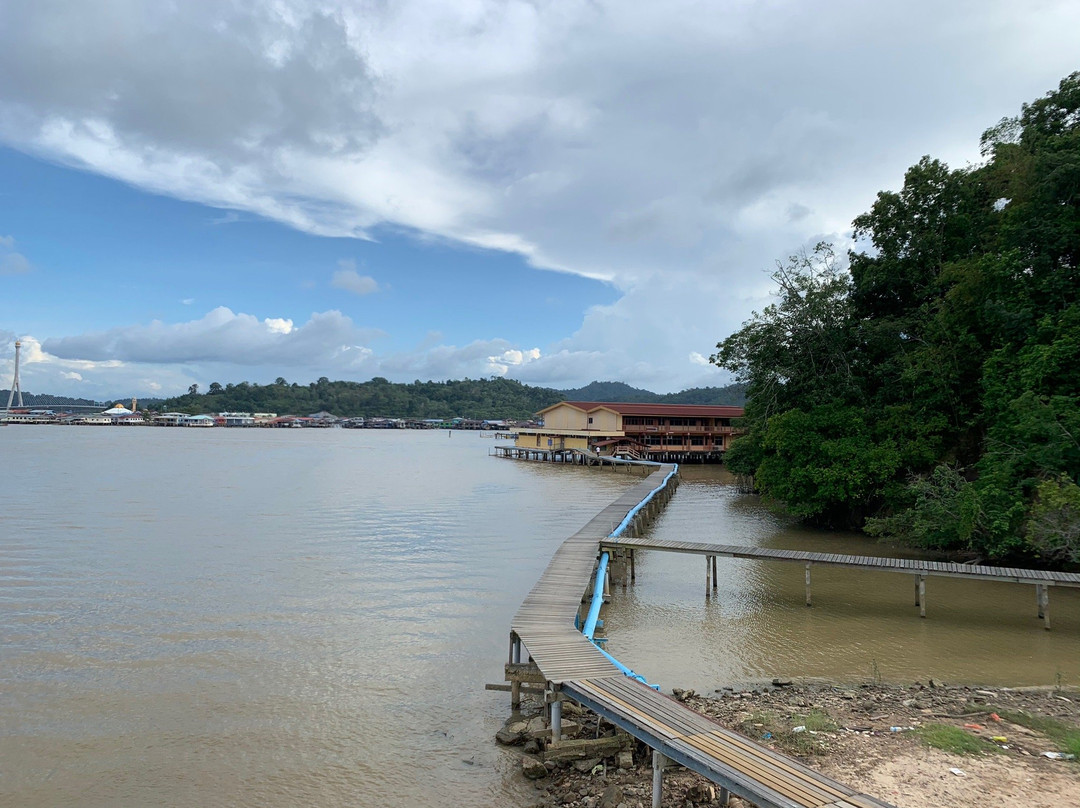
{"points": [[714, 573], [658, 762], [515, 658], [555, 699], [922, 596], [1044, 606], [633, 569], [808, 600], [708, 583]]}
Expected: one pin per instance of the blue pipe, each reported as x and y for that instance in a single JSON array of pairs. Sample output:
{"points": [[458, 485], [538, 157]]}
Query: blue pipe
{"points": [[626, 671], [589, 628], [625, 523]]}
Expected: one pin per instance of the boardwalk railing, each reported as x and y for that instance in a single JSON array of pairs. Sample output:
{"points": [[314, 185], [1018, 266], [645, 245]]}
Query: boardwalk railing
{"points": [[546, 648], [1041, 579]]}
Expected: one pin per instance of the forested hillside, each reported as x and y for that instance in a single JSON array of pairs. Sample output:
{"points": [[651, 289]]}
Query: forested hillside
{"points": [[470, 398], [931, 393]]}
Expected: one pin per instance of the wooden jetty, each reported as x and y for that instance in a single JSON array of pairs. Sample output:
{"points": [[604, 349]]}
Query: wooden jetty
{"points": [[1042, 580], [547, 649], [580, 457]]}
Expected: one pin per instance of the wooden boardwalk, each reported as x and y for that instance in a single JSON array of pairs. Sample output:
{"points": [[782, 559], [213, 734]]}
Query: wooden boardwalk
{"points": [[1041, 579], [545, 621], [737, 764], [572, 667]]}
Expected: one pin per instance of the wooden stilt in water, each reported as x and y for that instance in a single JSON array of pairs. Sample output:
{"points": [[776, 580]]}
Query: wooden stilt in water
{"points": [[1039, 599], [707, 582], [922, 596], [917, 601], [808, 602], [1046, 606], [714, 573], [633, 570]]}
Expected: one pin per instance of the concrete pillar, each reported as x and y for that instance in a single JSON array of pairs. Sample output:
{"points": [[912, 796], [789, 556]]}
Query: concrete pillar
{"points": [[556, 720], [922, 596], [658, 761], [808, 601]]}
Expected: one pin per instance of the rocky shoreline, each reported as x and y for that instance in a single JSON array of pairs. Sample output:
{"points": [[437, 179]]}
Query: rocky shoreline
{"points": [[923, 744]]}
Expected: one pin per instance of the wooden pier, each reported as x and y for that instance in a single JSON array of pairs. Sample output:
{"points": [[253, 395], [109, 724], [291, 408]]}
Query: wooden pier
{"points": [[578, 457], [546, 648], [1042, 580]]}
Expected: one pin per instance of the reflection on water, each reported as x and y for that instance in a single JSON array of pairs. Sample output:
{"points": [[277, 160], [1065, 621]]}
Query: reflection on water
{"points": [[250, 617], [862, 623], [267, 618]]}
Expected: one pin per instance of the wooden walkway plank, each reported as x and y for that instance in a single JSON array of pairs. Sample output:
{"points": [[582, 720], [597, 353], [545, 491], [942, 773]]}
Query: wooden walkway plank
{"points": [[907, 565], [574, 666]]}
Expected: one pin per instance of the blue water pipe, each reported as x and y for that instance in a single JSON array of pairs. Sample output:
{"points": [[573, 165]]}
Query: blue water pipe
{"points": [[589, 627]]}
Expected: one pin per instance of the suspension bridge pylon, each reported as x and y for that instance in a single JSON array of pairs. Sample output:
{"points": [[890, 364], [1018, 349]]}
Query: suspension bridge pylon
{"points": [[15, 387]]}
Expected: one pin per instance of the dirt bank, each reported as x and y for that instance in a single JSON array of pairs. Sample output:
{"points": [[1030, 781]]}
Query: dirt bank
{"points": [[922, 745]]}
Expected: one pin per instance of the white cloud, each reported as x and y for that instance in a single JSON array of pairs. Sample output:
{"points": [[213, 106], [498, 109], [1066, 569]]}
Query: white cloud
{"points": [[350, 280], [222, 336], [501, 364], [71, 375], [279, 325], [11, 262], [673, 149], [187, 301]]}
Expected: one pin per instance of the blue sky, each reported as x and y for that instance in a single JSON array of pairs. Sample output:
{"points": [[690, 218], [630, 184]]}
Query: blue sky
{"points": [[105, 253], [226, 191]]}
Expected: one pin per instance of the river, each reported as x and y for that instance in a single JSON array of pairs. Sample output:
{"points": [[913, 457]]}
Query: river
{"points": [[308, 617]]}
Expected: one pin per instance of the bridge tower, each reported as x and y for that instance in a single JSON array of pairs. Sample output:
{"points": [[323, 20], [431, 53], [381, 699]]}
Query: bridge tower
{"points": [[15, 382]]}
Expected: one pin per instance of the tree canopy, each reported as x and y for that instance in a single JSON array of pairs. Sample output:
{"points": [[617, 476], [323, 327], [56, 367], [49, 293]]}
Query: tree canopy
{"points": [[469, 398], [931, 391]]}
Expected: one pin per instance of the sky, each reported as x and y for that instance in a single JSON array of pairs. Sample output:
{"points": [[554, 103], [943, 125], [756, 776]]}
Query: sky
{"points": [[210, 190]]}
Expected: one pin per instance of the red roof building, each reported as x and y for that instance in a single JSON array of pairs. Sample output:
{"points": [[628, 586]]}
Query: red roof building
{"points": [[649, 431]]}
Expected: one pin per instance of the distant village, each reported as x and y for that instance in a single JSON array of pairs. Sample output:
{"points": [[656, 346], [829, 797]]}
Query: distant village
{"points": [[119, 415]]}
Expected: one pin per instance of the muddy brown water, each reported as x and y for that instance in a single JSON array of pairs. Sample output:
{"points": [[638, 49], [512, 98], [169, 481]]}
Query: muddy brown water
{"points": [[863, 624], [307, 617]]}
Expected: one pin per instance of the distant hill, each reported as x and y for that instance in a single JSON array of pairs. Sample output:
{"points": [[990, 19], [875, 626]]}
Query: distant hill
{"points": [[469, 398], [733, 394], [42, 399]]}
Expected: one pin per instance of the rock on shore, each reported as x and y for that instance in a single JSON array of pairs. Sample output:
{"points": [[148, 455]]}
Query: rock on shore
{"points": [[874, 737]]}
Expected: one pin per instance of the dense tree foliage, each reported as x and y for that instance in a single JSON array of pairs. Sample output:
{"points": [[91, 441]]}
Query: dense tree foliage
{"points": [[932, 392], [468, 398]]}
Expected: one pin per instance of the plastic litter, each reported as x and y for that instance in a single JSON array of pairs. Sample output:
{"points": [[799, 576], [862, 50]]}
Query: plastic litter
{"points": [[995, 717], [999, 739], [798, 729], [973, 726], [766, 735], [959, 772], [901, 729], [1058, 756]]}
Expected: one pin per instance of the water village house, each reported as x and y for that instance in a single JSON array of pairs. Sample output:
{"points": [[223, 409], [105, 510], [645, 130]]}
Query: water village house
{"points": [[646, 431]]}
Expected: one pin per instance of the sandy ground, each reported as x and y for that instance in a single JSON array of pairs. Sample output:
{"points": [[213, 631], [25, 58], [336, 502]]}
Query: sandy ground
{"points": [[848, 736]]}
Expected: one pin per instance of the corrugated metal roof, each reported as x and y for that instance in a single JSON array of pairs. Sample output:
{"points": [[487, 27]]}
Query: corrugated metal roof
{"points": [[665, 410]]}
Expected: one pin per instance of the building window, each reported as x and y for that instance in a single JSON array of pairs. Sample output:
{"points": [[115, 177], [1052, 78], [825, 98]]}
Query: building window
{"points": [[590, 419]]}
